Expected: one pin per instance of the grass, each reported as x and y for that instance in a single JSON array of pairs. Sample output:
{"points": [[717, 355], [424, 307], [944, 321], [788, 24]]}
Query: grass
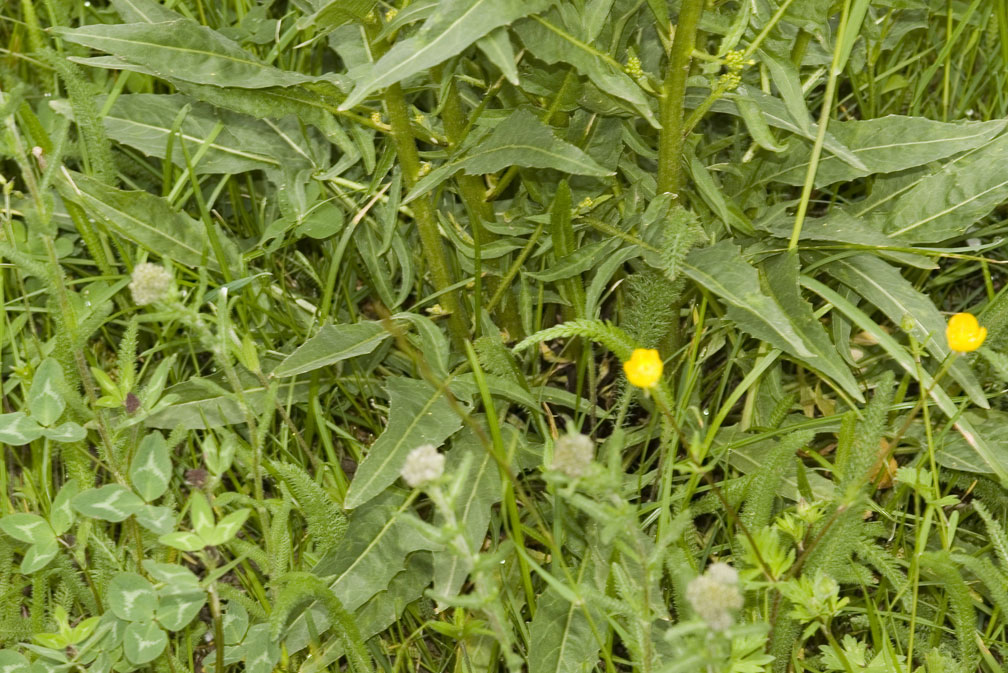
{"points": [[255, 256]]}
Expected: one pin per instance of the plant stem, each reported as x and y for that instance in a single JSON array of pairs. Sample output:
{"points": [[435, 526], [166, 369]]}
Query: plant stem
{"points": [[670, 142], [423, 210]]}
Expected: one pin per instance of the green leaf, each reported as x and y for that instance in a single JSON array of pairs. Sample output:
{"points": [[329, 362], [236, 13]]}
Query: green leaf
{"points": [[65, 433], [144, 642], [497, 47], [38, 556], [783, 318], [183, 541], [561, 636], [148, 221], [261, 653], [61, 514], [171, 574], [183, 49], [45, 399], [131, 598], [885, 287], [201, 515], [335, 13], [17, 429], [158, 520], [235, 623], [454, 26], [151, 468], [520, 140], [26, 527], [12, 662], [111, 502], [332, 344], [227, 528], [945, 204], [178, 605], [418, 414]]}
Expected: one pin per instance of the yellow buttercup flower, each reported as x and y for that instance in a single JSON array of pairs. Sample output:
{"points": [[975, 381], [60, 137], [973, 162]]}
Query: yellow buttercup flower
{"points": [[964, 333], [644, 368]]}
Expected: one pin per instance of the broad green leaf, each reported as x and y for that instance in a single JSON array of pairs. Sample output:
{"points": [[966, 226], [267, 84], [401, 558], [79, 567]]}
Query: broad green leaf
{"points": [[45, 399], [885, 287], [170, 573], [144, 11], [17, 428], [27, 527], [131, 597], [783, 319], [885, 145], [454, 26], [183, 541], [144, 642], [472, 508], [151, 468], [61, 514], [185, 50], [111, 502], [945, 204], [178, 605], [12, 662], [552, 39], [520, 140], [561, 636], [332, 344], [235, 622], [148, 221], [227, 528], [378, 540], [38, 556], [158, 520], [65, 433], [335, 13], [418, 414]]}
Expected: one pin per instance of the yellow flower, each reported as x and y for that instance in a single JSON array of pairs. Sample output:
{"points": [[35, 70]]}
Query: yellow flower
{"points": [[644, 368], [964, 333]]}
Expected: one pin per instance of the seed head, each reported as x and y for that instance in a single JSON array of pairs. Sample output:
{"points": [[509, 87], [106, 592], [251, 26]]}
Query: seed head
{"points": [[572, 454], [151, 283], [423, 465]]}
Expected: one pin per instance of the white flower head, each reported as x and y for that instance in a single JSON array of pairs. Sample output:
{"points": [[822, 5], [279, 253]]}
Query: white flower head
{"points": [[151, 283], [572, 454], [715, 596], [423, 465]]}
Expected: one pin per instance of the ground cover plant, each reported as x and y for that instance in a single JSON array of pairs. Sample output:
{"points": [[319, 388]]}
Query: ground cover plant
{"points": [[503, 335]]}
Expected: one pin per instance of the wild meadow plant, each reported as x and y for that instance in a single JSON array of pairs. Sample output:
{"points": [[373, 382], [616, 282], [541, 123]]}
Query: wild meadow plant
{"points": [[503, 335]]}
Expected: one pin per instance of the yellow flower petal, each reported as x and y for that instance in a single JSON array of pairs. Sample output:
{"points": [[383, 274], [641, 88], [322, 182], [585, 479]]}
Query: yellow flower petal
{"points": [[964, 333], [644, 368]]}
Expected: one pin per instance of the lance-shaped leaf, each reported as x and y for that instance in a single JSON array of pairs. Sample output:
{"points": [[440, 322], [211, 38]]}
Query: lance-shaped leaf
{"points": [[454, 26], [148, 221], [332, 344], [779, 316], [520, 140], [418, 414], [111, 502], [45, 397], [151, 467], [335, 13], [183, 49], [562, 639]]}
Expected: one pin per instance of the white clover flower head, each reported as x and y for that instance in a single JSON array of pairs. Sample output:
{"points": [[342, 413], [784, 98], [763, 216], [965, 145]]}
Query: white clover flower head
{"points": [[423, 465], [715, 596], [151, 283], [572, 454]]}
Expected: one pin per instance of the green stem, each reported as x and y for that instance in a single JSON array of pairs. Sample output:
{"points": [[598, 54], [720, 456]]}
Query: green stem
{"points": [[423, 210], [670, 142]]}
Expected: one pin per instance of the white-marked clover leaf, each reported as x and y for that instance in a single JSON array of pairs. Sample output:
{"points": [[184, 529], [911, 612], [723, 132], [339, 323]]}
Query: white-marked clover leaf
{"points": [[17, 429], [39, 555], [235, 622], [13, 662], [132, 598], [45, 397], [111, 502], [261, 653], [158, 520], [144, 642], [151, 468], [200, 514], [178, 605], [183, 541], [65, 433], [26, 527], [170, 573], [61, 514], [227, 528]]}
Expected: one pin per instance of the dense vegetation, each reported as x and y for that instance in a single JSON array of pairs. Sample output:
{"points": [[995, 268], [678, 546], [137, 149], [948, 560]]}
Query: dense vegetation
{"points": [[503, 335]]}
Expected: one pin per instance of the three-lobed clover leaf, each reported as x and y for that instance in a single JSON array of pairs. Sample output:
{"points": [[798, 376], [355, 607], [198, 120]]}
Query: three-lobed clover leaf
{"points": [[112, 503], [150, 469], [205, 533]]}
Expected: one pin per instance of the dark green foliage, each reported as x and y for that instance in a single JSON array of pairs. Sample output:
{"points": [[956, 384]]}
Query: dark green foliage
{"points": [[326, 521]]}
